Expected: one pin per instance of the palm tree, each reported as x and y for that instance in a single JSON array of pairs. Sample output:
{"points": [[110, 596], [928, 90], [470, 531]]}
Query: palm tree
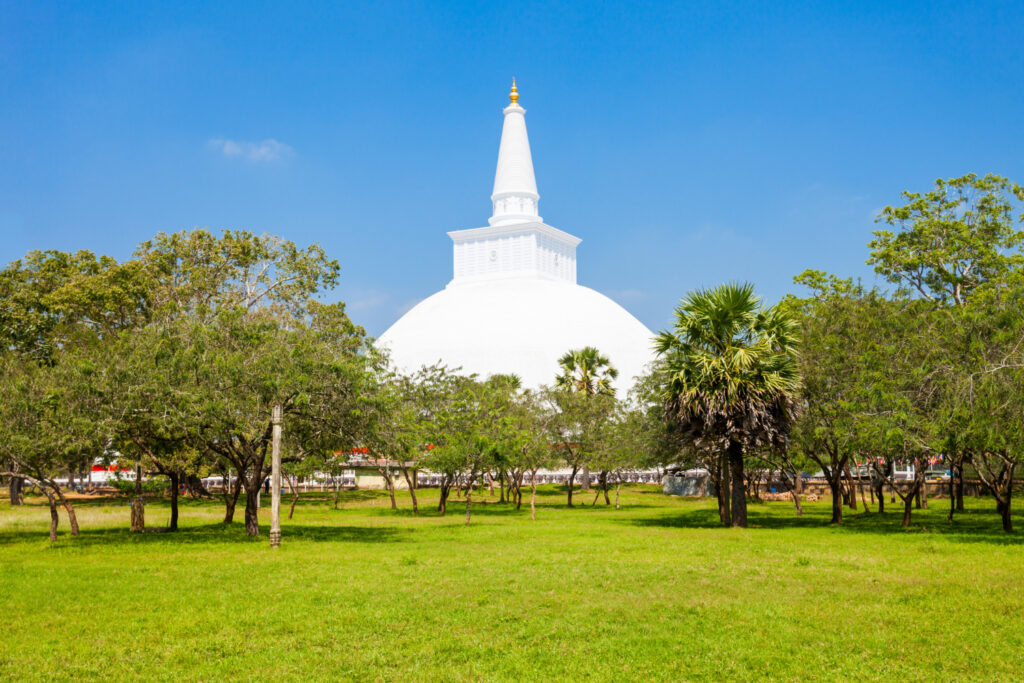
{"points": [[586, 370], [589, 372], [730, 378]]}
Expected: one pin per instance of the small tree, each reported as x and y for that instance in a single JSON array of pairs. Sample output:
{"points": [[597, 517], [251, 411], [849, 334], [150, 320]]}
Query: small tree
{"points": [[574, 426]]}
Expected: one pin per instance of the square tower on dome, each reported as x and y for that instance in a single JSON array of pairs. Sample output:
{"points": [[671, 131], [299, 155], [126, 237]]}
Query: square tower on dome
{"points": [[517, 242], [531, 249]]}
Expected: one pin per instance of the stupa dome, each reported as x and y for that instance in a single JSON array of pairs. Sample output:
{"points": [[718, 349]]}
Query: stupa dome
{"points": [[521, 326], [513, 305]]}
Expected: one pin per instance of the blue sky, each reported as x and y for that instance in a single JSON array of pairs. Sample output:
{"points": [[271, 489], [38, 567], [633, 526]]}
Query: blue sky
{"points": [[686, 144]]}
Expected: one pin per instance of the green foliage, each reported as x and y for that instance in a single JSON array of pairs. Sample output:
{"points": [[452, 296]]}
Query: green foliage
{"points": [[197, 273], [951, 240], [52, 300], [730, 367], [126, 487], [586, 370]]}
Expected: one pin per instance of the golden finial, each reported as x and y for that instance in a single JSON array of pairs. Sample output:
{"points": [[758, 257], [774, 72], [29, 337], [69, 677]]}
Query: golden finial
{"points": [[513, 96]]}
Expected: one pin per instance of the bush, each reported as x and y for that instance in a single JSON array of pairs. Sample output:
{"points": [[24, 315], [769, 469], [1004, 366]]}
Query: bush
{"points": [[151, 486]]}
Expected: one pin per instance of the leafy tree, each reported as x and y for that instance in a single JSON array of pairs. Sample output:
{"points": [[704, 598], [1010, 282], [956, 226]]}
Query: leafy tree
{"points": [[196, 273], [463, 441], [52, 300], [620, 449], [42, 429], [980, 387], [234, 329], [952, 239], [835, 323], [529, 447], [574, 426], [731, 376]]}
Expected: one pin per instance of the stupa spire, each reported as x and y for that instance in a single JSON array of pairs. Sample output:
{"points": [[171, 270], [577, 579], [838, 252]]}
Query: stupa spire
{"points": [[515, 189]]}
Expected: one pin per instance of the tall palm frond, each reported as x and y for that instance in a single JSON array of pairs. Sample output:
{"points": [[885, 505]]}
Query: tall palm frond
{"points": [[586, 370], [730, 367]]}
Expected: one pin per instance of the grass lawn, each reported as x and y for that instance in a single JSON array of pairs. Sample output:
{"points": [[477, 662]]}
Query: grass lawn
{"points": [[654, 591]]}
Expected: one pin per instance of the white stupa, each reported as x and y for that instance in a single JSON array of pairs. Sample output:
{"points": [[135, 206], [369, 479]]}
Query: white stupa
{"points": [[513, 305]]}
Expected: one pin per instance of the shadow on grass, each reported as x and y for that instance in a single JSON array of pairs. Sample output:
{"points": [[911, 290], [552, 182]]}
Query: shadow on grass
{"points": [[211, 534], [976, 525]]}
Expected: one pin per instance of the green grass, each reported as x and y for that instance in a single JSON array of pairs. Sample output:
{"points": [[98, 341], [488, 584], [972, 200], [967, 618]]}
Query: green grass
{"points": [[654, 591]]}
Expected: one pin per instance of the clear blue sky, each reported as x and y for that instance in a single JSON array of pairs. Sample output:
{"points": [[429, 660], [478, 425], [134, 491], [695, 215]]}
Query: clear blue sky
{"points": [[686, 145]]}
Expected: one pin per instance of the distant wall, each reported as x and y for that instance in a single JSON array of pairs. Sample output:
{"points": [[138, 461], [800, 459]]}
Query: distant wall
{"points": [[687, 486], [701, 486]]}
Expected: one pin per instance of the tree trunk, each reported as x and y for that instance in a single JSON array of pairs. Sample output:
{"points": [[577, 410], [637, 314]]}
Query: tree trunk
{"points": [[724, 492], [796, 501], [231, 492], [295, 494], [54, 519], [138, 518], [952, 493], [337, 492], [799, 483], [469, 500], [252, 519], [908, 505], [604, 487], [572, 480], [138, 512], [959, 474], [14, 488], [863, 498], [618, 485], [850, 487], [739, 498], [881, 497], [442, 503], [1004, 513], [585, 479], [69, 508], [835, 483], [533, 496], [411, 483], [917, 498], [391, 487], [175, 478]]}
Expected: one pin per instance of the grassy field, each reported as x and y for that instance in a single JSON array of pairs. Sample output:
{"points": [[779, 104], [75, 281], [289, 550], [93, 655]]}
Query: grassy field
{"points": [[654, 591]]}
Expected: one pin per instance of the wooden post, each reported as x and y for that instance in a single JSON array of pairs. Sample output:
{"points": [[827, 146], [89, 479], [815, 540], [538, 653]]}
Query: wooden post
{"points": [[275, 479]]}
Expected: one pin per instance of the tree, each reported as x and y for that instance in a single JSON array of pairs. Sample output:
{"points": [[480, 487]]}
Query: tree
{"points": [[54, 300], [620, 448], [575, 426], [463, 441], [233, 329], [586, 370], [835, 324], [195, 273], [731, 376], [951, 240], [982, 383], [42, 429]]}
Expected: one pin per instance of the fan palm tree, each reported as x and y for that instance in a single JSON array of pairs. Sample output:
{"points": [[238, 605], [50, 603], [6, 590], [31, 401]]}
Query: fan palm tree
{"points": [[730, 377], [586, 370]]}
